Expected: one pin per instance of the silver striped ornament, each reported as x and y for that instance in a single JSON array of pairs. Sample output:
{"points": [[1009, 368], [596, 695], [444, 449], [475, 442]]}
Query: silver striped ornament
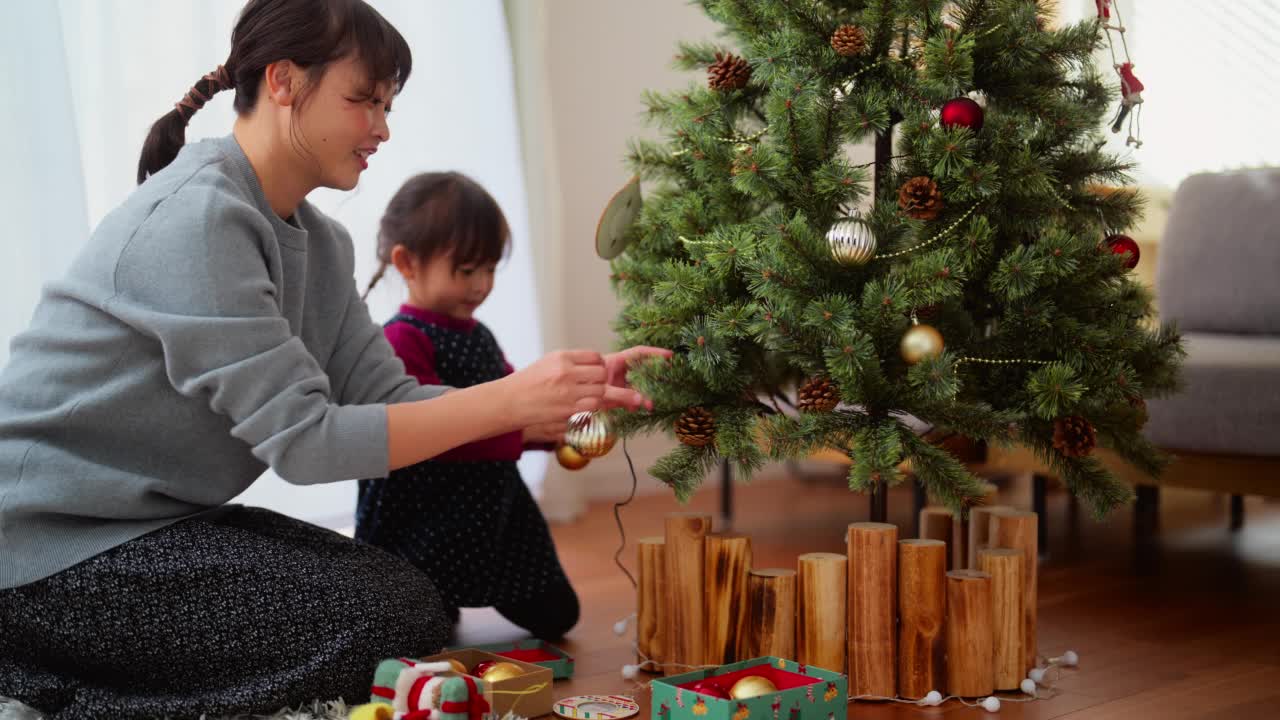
{"points": [[851, 241], [591, 434]]}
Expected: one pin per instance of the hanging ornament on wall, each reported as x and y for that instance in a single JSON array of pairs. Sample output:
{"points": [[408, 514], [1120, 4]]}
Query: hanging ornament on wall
{"points": [[962, 112], [1130, 87], [920, 342], [591, 434], [612, 231], [570, 459], [852, 242], [1124, 245]]}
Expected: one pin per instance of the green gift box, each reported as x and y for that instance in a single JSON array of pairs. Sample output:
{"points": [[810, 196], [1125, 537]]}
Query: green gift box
{"points": [[533, 651], [804, 692]]}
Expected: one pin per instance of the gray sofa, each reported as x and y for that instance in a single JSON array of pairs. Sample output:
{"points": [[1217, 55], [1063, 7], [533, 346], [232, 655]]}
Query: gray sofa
{"points": [[1218, 278]]}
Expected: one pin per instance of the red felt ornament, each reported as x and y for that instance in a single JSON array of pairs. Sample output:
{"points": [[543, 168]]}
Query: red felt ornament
{"points": [[1124, 245], [963, 112]]}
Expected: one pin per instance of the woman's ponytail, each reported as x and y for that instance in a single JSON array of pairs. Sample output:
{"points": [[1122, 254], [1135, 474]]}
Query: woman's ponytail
{"points": [[169, 133]]}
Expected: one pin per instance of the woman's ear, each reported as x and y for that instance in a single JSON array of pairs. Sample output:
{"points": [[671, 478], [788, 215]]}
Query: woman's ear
{"points": [[284, 80], [404, 261]]}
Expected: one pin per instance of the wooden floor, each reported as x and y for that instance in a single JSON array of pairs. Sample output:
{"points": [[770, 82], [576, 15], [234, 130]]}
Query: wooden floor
{"points": [[1191, 633]]}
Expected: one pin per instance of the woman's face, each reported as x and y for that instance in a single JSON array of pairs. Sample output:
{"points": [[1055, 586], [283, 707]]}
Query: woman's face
{"points": [[341, 124]]}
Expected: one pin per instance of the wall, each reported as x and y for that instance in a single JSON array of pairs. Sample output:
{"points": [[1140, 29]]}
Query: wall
{"points": [[581, 68]]}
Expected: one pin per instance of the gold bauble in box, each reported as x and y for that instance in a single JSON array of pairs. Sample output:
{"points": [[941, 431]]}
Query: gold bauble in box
{"points": [[921, 341], [500, 671], [591, 434], [457, 666], [569, 458], [752, 686]]}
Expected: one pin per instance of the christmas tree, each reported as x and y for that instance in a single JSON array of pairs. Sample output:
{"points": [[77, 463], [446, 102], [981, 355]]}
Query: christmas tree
{"points": [[970, 281]]}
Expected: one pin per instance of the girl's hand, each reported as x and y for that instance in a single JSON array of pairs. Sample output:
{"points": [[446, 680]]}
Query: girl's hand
{"points": [[616, 364], [552, 432]]}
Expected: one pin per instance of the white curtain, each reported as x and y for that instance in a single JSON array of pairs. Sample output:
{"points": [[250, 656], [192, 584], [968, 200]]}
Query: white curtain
{"points": [[42, 190], [90, 76]]}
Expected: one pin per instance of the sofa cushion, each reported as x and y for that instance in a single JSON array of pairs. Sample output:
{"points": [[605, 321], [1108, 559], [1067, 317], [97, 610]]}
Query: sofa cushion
{"points": [[1231, 402], [1219, 264]]}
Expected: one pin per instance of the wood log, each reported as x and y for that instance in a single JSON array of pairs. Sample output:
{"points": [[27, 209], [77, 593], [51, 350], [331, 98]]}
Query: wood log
{"points": [[873, 586], [979, 530], [935, 524], [773, 612], [922, 596], [969, 665], [959, 543], [728, 559], [1017, 530], [650, 618], [822, 613], [1005, 568], [686, 562]]}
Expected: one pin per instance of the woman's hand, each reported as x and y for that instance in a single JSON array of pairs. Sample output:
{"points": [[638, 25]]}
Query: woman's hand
{"points": [[618, 392], [558, 385], [546, 433]]}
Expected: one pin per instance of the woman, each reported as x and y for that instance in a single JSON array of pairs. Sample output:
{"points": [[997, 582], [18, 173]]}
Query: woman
{"points": [[211, 328]]}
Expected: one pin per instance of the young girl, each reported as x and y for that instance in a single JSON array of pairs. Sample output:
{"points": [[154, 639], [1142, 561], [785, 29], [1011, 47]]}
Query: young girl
{"points": [[465, 518], [209, 329]]}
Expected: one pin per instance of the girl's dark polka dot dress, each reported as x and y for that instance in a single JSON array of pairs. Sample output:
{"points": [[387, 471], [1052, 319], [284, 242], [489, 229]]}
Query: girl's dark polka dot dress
{"points": [[471, 526]]}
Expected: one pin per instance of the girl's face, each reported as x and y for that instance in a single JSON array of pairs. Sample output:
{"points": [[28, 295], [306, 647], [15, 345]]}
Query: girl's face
{"points": [[341, 124], [436, 285]]}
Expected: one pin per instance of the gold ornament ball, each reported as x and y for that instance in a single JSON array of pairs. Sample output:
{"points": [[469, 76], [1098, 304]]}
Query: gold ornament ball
{"points": [[570, 459], [851, 242], [752, 686], [591, 434], [920, 342], [500, 671], [457, 666]]}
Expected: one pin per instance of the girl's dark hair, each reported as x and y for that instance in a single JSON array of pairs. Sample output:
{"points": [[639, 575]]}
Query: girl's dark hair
{"points": [[311, 33], [442, 212]]}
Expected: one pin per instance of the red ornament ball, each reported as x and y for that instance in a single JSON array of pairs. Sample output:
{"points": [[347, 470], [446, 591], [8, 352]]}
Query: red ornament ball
{"points": [[1122, 245], [711, 688], [963, 112], [483, 667]]}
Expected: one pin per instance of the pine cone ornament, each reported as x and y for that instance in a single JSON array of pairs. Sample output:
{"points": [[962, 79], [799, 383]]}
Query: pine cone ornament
{"points": [[1073, 436], [696, 427], [848, 40], [1141, 415], [919, 198], [728, 72], [818, 395]]}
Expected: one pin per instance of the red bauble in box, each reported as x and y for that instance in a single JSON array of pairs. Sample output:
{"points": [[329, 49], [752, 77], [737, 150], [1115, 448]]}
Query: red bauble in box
{"points": [[481, 668], [963, 112], [1123, 244], [711, 688]]}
